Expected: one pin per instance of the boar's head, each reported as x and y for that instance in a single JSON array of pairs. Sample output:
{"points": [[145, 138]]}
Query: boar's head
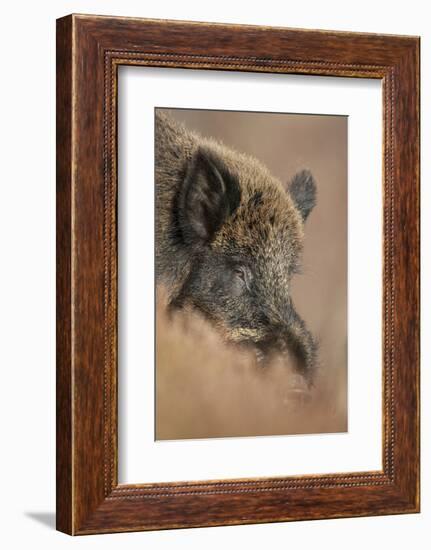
{"points": [[246, 232]]}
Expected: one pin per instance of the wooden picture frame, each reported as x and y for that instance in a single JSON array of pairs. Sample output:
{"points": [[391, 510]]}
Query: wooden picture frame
{"points": [[89, 51]]}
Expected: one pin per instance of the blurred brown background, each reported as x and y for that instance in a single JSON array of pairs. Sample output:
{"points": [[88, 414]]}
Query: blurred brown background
{"points": [[286, 143]]}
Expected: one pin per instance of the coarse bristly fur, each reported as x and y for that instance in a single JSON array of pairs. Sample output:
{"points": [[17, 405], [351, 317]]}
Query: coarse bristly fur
{"points": [[229, 237]]}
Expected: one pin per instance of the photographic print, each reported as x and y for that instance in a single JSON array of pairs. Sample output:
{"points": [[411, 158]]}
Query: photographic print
{"points": [[223, 269], [251, 273]]}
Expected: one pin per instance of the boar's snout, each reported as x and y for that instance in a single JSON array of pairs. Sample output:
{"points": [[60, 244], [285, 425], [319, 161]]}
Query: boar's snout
{"points": [[291, 342]]}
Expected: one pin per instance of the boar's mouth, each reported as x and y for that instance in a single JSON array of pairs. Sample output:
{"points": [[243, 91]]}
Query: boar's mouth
{"points": [[295, 345]]}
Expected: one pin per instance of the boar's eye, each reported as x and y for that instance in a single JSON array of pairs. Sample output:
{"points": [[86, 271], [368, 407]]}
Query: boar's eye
{"points": [[242, 275], [239, 273]]}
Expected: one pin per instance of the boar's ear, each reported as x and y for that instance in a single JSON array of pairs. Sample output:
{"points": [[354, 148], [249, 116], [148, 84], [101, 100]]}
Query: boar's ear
{"points": [[209, 195], [302, 189]]}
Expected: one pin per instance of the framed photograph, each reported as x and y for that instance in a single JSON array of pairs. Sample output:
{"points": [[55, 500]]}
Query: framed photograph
{"points": [[237, 274]]}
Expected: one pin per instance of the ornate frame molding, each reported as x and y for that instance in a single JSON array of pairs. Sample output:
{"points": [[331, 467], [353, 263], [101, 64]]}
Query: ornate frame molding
{"points": [[89, 498]]}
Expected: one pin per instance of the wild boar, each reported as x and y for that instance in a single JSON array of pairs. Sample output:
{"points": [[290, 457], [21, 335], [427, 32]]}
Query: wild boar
{"points": [[229, 238]]}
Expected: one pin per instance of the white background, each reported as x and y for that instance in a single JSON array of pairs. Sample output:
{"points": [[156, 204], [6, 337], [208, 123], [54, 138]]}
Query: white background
{"points": [[141, 458], [27, 125]]}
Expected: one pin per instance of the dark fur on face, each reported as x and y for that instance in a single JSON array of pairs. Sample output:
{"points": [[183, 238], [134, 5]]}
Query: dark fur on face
{"points": [[228, 240]]}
